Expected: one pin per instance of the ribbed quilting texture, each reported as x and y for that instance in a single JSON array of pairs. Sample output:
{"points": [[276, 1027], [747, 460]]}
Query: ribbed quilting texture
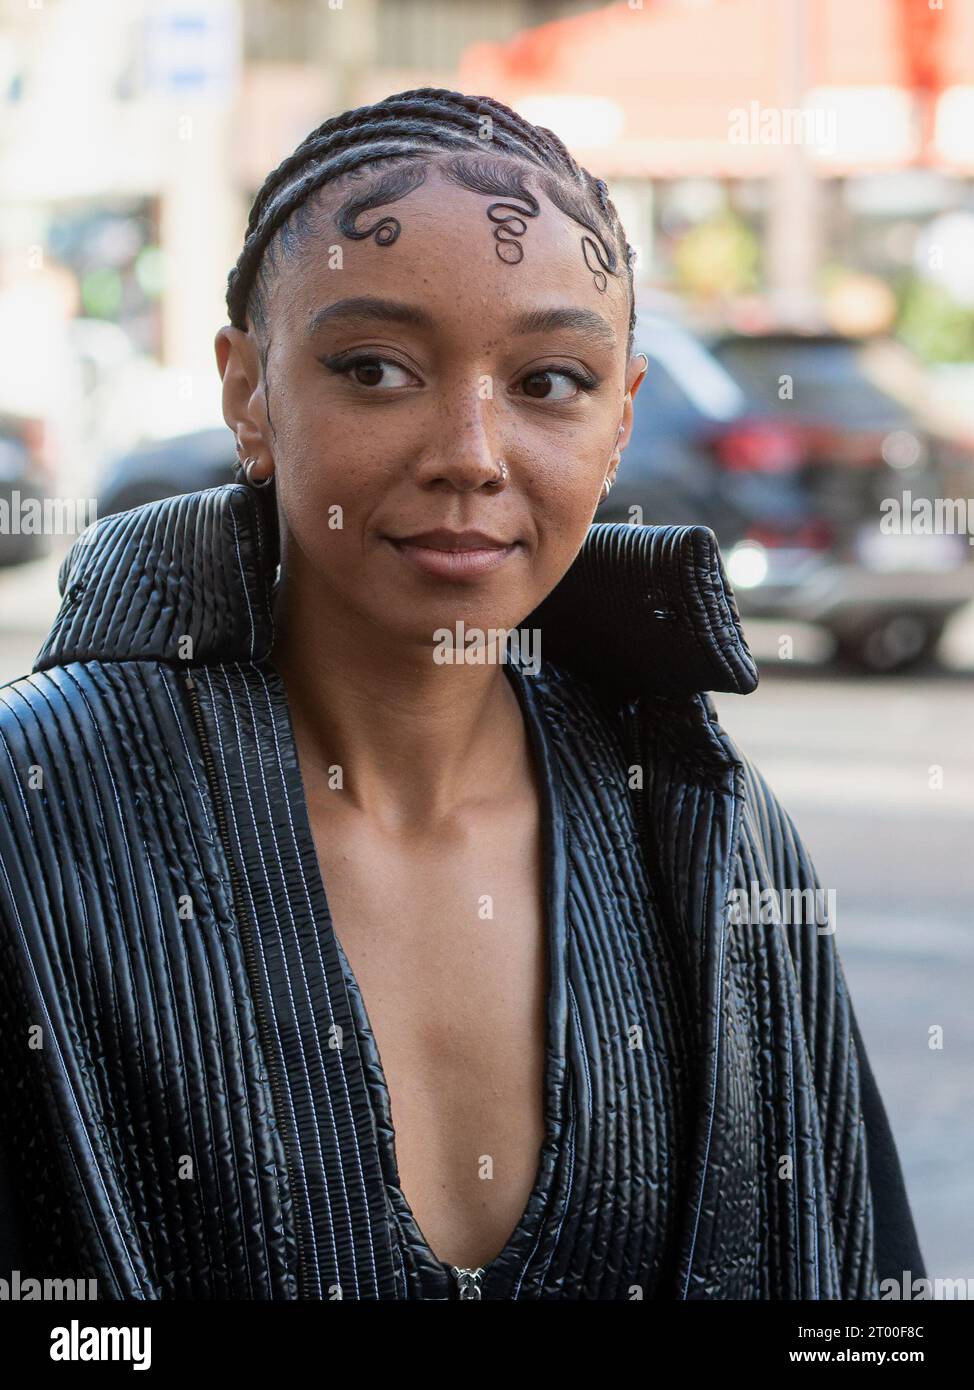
{"points": [[648, 608], [780, 1145], [120, 943], [324, 1110], [640, 608], [195, 1122], [604, 1218], [198, 572]]}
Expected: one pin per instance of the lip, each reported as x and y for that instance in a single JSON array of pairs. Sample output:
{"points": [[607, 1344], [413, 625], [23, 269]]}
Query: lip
{"points": [[453, 554], [443, 539]]}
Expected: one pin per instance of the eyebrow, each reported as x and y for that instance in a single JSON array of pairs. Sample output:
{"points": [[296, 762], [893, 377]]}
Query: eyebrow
{"points": [[366, 306]]}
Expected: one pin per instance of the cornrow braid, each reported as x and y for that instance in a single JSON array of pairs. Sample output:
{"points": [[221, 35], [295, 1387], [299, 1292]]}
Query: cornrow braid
{"points": [[431, 103], [399, 138]]}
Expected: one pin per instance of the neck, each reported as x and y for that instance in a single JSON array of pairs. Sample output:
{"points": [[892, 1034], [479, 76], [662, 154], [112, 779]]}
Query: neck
{"points": [[416, 742]]}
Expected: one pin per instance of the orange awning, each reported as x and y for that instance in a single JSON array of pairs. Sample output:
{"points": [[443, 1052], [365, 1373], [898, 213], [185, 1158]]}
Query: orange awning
{"points": [[666, 90]]}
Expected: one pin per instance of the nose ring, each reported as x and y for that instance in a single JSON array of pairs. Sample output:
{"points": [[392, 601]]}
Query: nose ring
{"points": [[503, 475]]}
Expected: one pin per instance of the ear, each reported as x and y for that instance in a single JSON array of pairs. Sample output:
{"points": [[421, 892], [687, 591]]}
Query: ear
{"points": [[244, 401], [635, 372]]}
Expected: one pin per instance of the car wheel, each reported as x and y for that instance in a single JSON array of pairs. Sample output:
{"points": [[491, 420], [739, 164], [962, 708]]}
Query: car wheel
{"points": [[897, 642]]}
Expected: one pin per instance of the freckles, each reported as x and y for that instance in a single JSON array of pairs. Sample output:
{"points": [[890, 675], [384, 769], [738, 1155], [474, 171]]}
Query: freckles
{"points": [[553, 485]]}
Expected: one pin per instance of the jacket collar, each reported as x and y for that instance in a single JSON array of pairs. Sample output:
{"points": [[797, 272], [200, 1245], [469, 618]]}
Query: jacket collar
{"points": [[190, 580]]}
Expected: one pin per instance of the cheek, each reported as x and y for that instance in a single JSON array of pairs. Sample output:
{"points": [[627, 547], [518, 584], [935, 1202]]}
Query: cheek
{"points": [[562, 497], [563, 487], [316, 447], [325, 466]]}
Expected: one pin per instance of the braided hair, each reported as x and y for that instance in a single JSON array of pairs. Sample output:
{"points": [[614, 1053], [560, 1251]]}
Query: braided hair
{"points": [[478, 143]]}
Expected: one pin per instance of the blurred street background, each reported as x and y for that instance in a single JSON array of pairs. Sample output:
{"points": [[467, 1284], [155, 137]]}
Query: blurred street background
{"points": [[797, 177]]}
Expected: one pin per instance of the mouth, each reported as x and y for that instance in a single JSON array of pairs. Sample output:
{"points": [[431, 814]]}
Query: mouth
{"points": [[453, 555]]}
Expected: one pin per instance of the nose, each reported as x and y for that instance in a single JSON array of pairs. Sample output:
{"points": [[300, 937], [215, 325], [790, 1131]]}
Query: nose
{"points": [[466, 453]]}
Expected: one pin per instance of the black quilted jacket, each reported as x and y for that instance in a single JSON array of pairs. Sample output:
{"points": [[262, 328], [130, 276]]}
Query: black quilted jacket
{"points": [[160, 896]]}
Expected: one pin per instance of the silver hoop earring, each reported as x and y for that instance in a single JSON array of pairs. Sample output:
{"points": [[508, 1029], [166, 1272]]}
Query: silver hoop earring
{"points": [[248, 474], [606, 489]]}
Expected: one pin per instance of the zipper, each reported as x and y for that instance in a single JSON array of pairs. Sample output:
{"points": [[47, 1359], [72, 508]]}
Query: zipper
{"points": [[469, 1282], [247, 936]]}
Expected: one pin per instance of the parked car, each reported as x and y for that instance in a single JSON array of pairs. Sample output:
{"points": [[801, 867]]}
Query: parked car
{"points": [[847, 451], [670, 472], [24, 480], [792, 485], [167, 468]]}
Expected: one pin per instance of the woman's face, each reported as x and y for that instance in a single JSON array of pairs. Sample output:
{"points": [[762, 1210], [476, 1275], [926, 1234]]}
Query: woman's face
{"points": [[391, 421]]}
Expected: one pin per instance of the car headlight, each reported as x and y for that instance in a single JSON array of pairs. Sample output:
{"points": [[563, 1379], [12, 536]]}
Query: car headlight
{"points": [[747, 565]]}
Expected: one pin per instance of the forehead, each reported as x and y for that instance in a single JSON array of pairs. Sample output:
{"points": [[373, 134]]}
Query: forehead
{"points": [[456, 253]]}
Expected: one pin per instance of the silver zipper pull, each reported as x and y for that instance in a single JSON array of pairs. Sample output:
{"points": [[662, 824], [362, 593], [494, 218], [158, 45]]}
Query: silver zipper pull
{"points": [[468, 1281]]}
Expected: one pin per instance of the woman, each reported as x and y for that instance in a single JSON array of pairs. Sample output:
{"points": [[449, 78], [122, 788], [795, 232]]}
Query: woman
{"points": [[377, 875]]}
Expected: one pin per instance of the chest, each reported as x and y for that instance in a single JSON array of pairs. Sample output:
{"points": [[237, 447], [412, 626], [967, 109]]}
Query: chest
{"points": [[446, 938]]}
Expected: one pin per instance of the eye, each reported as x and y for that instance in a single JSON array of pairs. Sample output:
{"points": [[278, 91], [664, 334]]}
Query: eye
{"points": [[537, 384], [370, 371]]}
